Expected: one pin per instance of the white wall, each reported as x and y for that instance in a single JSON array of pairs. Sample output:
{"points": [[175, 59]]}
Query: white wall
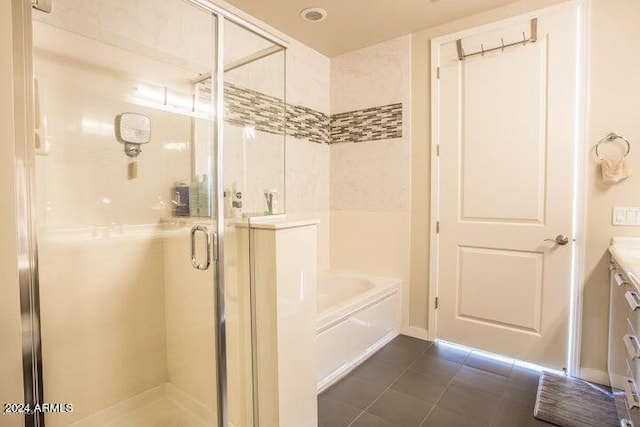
{"points": [[612, 91], [370, 180]]}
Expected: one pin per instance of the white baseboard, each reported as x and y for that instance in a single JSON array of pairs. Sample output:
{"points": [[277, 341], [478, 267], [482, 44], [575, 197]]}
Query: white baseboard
{"points": [[415, 332], [594, 376]]}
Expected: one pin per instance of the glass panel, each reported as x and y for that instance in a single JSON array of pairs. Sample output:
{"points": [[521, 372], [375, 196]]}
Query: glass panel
{"points": [[254, 87], [253, 165], [127, 321]]}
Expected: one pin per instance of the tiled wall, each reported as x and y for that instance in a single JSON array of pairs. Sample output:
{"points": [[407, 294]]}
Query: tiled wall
{"points": [[246, 107], [305, 123], [375, 176], [371, 124], [370, 181], [249, 107], [355, 162], [100, 282], [165, 160]]}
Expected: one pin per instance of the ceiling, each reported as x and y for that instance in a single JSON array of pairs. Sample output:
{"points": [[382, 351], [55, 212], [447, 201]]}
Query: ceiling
{"points": [[353, 24]]}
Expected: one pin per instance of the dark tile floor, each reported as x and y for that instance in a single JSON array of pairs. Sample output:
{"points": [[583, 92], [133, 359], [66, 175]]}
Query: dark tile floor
{"points": [[411, 382]]}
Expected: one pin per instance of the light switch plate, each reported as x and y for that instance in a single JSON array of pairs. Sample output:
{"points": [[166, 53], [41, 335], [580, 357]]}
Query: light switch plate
{"points": [[626, 215]]}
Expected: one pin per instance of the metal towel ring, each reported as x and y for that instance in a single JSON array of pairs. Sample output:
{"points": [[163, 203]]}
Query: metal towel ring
{"points": [[612, 137]]}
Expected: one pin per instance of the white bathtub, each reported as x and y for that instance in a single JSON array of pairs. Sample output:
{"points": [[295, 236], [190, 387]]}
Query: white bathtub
{"points": [[357, 314]]}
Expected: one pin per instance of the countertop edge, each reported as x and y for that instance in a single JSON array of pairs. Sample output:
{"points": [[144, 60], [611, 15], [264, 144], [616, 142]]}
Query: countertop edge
{"points": [[632, 272]]}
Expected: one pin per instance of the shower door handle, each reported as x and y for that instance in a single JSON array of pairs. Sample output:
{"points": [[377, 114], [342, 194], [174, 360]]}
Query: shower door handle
{"points": [[194, 258]]}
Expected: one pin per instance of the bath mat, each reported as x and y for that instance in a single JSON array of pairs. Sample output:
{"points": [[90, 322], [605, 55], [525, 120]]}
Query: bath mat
{"points": [[570, 402]]}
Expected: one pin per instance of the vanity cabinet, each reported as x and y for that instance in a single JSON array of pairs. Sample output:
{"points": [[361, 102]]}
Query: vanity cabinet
{"points": [[624, 328]]}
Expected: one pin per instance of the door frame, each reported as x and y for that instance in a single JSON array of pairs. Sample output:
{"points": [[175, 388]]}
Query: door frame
{"points": [[579, 180]]}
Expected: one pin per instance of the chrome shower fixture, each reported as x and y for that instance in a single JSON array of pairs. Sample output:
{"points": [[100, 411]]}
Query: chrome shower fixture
{"points": [[133, 130]]}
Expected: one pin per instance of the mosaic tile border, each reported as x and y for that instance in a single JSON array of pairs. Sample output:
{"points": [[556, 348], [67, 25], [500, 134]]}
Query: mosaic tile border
{"points": [[305, 123], [370, 124], [264, 112], [244, 107], [248, 107]]}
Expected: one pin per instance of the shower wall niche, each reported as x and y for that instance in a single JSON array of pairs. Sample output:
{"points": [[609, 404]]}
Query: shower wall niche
{"points": [[128, 332]]}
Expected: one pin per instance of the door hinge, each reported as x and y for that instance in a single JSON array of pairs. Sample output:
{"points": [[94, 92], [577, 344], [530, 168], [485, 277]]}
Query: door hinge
{"points": [[437, 227], [438, 73], [438, 150], [436, 302]]}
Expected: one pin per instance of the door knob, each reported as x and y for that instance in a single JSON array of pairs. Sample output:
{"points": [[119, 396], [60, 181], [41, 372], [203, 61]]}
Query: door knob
{"points": [[560, 239]]}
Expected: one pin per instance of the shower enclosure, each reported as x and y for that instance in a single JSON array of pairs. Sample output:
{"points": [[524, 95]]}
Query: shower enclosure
{"points": [[159, 129]]}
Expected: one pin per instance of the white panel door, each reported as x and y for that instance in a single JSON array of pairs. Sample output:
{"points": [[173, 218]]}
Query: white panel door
{"points": [[506, 124]]}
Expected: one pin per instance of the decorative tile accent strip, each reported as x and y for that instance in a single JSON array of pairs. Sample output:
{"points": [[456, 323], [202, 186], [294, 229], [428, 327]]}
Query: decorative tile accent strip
{"points": [[248, 107], [370, 124], [305, 123], [265, 113]]}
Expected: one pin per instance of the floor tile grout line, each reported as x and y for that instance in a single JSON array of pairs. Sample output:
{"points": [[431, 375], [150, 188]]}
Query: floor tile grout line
{"points": [[493, 417], [501, 398], [462, 364], [451, 381], [392, 383], [445, 389], [448, 384], [356, 418], [495, 414]]}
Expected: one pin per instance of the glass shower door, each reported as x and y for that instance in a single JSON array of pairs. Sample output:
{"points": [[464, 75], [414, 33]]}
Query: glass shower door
{"points": [[253, 82], [126, 213]]}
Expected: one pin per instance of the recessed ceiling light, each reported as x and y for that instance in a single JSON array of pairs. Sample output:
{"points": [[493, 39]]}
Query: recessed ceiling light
{"points": [[313, 14]]}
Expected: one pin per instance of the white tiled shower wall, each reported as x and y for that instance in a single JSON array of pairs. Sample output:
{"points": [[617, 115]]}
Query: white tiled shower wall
{"points": [[347, 179], [142, 295], [359, 191], [307, 163], [185, 38], [371, 180]]}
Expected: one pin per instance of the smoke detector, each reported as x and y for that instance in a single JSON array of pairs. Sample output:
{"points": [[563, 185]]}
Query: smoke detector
{"points": [[313, 14]]}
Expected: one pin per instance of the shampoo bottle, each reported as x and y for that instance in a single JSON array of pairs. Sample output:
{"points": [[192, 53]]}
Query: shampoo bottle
{"points": [[194, 197], [205, 196], [236, 201]]}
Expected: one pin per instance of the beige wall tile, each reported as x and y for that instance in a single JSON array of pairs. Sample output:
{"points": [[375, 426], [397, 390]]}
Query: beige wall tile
{"points": [[371, 176], [177, 30], [307, 78], [370, 180], [307, 176], [103, 319], [375, 243], [370, 77]]}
